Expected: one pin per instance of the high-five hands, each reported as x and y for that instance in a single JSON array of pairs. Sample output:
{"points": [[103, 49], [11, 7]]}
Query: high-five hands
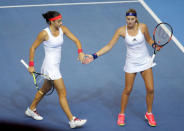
{"points": [[85, 58], [88, 59]]}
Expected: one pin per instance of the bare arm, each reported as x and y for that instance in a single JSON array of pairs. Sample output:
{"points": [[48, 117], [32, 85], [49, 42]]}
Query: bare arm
{"points": [[40, 38], [146, 34], [71, 36], [148, 38], [119, 32], [112, 42]]}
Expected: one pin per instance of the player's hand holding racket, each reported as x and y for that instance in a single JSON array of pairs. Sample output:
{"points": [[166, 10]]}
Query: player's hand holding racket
{"points": [[162, 35], [39, 79], [31, 69]]}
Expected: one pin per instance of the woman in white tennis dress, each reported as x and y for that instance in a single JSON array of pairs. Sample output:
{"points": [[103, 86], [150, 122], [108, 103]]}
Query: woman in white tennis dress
{"points": [[52, 38], [52, 47], [137, 57], [137, 60]]}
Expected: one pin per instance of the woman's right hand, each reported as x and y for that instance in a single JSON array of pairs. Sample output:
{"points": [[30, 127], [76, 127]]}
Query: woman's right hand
{"points": [[88, 59], [156, 46], [31, 69]]}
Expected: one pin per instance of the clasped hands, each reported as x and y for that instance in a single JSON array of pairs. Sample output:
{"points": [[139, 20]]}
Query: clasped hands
{"points": [[85, 58]]}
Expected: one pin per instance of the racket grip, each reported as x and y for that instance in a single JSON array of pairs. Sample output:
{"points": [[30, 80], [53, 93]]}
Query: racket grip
{"points": [[152, 58], [24, 63]]}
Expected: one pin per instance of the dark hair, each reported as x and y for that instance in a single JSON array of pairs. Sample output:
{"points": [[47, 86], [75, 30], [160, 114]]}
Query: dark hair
{"points": [[50, 14]]}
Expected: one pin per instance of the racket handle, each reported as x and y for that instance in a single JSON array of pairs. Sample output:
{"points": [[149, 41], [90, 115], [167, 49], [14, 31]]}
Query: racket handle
{"points": [[152, 58], [24, 63]]}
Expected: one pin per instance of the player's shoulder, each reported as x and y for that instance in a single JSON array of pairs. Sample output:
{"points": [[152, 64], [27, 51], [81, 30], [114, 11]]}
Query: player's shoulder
{"points": [[121, 29], [43, 33], [63, 27], [142, 25]]}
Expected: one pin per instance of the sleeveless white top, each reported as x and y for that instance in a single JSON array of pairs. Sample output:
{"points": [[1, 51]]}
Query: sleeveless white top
{"points": [[52, 47], [137, 57]]}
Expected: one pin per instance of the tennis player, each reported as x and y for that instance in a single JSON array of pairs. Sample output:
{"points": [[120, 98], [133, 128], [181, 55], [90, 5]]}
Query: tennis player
{"points": [[52, 39], [137, 60]]}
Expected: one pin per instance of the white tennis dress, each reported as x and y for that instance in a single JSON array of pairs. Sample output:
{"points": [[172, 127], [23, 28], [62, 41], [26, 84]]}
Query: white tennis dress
{"points": [[52, 47], [137, 57]]}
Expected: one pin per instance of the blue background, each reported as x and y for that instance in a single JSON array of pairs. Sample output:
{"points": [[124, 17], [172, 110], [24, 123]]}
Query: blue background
{"points": [[94, 90], [172, 12]]}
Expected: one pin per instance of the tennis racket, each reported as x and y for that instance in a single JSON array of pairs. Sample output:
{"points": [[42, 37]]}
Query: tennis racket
{"points": [[39, 79], [162, 35]]}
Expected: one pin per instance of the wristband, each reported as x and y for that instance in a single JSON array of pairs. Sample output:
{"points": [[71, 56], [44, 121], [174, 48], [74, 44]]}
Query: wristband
{"points": [[31, 63], [94, 56], [80, 51]]}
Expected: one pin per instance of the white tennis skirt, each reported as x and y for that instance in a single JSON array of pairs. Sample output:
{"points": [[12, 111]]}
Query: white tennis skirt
{"points": [[52, 70], [136, 65]]}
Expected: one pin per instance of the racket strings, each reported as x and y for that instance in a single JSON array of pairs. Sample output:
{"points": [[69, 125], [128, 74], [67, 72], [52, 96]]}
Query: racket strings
{"points": [[162, 33], [162, 36], [40, 81]]}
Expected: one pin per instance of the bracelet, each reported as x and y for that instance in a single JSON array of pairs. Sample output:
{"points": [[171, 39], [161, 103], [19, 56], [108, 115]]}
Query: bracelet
{"points": [[80, 51], [31, 63], [95, 56]]}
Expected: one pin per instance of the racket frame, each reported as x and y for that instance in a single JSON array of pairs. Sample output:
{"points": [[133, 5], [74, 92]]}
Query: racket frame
{"points": [[162, 24], [35, 75]]}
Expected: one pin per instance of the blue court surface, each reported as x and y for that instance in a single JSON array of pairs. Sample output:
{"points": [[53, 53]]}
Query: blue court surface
{"points": [[94, 90]]}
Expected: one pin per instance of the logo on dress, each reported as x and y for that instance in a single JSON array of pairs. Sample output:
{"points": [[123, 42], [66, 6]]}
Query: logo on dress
{"points": [[134, 39]]}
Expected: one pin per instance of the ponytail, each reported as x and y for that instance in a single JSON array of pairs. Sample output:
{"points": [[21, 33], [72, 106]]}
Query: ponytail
{"points": [[50, 14]]}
